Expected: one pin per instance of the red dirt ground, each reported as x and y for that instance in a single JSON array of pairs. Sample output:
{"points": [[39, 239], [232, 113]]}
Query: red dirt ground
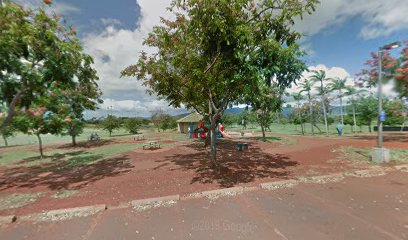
{"points": [[181, 170]]}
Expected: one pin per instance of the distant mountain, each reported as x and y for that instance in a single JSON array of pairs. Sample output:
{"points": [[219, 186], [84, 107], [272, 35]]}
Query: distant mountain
{"points": [[179, 116]]}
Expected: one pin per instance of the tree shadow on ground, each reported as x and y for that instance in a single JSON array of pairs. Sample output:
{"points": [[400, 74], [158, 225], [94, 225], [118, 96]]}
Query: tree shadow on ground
{"points": [[75, 173], [87, 144], [234, 167], [387, 137]]}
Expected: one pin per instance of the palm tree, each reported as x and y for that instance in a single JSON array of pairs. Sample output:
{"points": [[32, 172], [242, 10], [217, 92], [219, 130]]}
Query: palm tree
{"points": [[320, 76], [298, 97], [352, 91], [339, 84], [307, 87]]}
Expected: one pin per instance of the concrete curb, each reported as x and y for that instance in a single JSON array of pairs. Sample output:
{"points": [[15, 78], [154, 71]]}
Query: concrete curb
{"points": [[65, 214], [214, 194], [7, 219], [278, 185], [149, 203], [403, 167]]}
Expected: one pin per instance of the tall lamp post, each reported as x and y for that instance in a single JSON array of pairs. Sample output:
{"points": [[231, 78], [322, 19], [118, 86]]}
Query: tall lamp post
{"points": [[381, 154]]}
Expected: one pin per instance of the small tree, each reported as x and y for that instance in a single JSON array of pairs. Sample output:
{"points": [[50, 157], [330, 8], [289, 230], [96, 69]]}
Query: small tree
{"points": [[132, 125], [395, 111], [167, 122], [75, 127], [39, 121], [320, 77], [228, 119], [367, 110], [7, 132], [111, 123]]}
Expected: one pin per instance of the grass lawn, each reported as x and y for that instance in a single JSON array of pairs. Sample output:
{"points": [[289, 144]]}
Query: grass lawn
{"points": [[296, 130], [72, 158], [364, 154]]}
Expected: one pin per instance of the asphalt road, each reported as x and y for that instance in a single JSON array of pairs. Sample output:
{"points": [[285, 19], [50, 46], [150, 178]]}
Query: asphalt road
{"points": [[356, 208]]}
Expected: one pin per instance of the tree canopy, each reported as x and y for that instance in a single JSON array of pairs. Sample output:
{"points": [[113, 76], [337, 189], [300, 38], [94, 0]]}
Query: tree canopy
{"points": [[41, 57], [213, 52]]}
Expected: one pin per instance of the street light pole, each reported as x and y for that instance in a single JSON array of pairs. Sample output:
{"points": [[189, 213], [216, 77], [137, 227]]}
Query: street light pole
{"points": [[380, 123], [380, 154]]}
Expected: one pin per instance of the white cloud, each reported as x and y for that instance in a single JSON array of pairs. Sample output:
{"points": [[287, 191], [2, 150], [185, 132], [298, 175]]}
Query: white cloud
{"points": [[380, 17], [338, 72], [116, 48]]}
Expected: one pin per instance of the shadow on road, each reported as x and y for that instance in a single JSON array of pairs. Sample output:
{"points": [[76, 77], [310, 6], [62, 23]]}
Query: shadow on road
{"points": [[234, 167]]}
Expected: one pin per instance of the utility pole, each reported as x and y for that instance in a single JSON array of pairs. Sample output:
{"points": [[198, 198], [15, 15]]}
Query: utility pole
{"points": [[381, 154]]}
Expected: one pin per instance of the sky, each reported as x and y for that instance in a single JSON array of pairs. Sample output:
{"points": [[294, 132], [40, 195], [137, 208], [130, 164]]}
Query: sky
{"points": [[338, 38]]}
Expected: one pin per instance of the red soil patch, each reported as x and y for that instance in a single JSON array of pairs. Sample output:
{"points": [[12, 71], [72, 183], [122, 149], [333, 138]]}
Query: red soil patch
{"points": [[178, 170]]}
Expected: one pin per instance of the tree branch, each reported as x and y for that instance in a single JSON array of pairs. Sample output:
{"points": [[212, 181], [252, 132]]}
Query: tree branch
{"points": [[213, 63]]}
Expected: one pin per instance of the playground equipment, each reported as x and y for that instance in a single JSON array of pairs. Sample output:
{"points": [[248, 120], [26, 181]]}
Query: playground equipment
{"points": [[201, 130], [221, 131]]}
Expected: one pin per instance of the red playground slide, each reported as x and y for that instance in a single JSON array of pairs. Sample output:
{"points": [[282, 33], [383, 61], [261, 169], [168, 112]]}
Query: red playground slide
{"points": [[221, 130]]}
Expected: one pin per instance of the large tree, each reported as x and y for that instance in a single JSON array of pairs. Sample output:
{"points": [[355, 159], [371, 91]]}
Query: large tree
{"points": [[320, 77], [39, 56], [298, 119], [307, 86], [206, 54], [352, 92], [339, 85]]}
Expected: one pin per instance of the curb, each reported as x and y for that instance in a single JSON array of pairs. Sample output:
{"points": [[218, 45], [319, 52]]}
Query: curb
{"points": [[278, 185], [65, 214], [403, 167], [149, 203], [7, 219], [214, 194]]}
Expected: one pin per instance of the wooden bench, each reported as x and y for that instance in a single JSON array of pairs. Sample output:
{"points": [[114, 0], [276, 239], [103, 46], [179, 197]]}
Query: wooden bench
{"points": [[151, 145]]}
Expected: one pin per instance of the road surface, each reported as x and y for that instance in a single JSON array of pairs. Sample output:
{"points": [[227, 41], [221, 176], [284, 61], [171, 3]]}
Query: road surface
{"points": [[355, 208]]}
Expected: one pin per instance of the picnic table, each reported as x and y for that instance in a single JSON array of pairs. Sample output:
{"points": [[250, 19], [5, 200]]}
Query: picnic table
{"points": [[151, 145], [94, 137], [138, 138]]}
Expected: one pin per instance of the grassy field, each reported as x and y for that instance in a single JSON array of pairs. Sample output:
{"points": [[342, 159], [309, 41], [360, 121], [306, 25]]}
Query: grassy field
{"points": [[296, 130]]}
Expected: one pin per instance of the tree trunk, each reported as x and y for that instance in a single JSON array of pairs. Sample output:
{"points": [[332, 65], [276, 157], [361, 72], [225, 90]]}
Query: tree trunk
{"points": [[311, 112], [369, 128], [325, 115], [263, 133], [354, 117], [341, 109], [303, 130], [110, 133], [5, 140], [40, 145], [213, 138], [73, 140], [12, 109]]}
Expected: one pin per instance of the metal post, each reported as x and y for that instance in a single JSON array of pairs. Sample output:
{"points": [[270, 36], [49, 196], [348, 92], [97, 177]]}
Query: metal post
{"points": [[380, 124]]}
